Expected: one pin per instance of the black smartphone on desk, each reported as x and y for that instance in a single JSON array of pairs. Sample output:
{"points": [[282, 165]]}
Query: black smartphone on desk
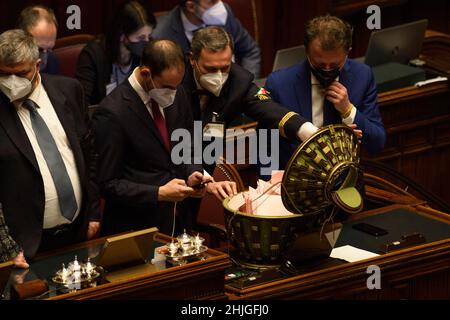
{"points": [[370, 229]]}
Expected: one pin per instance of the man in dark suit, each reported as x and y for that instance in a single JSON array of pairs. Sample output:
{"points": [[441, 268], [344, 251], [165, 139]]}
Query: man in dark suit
{"points": [[328, 88], [191, 15], [45, 152], [40, 22], [141, 184], [214, 84]]}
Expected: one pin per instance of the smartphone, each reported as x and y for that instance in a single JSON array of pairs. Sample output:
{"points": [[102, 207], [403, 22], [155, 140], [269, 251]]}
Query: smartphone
{"points": [[370, 229], [199, 185]]}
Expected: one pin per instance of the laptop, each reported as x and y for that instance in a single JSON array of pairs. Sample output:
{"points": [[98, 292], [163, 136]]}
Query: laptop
{"points": [[127, 249], [287, 57], [396, 44]]}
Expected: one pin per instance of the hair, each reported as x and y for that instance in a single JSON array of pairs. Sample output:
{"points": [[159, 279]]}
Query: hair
{"points": [[129, 18], [162, 54], [183, 2], [331, 31], [32, 15], [213, 38], [17, 46]]}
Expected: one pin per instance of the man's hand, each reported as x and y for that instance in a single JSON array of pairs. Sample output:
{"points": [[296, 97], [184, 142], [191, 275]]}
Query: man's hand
{"points": [[196, 179], [337, 94], [174, 191], [20, 261], [222, 189], [358, 132], [93, 230]]}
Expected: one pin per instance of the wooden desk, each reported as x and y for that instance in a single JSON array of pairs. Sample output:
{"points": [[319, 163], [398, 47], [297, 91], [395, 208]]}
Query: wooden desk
{"points": [[419, 272], [196, 280], [417, 122]]}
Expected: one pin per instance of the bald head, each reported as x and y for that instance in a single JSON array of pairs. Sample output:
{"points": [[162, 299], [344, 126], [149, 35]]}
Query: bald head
{"points": [[160, 55], [40, 22]]}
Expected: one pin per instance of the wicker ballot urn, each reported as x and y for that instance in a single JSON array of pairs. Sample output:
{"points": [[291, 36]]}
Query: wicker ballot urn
{"points": [[321, 174]]}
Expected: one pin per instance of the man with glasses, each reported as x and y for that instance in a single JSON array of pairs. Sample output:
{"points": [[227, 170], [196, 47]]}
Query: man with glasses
{"points": [[48, 188], [328, 87], [40, 22]]}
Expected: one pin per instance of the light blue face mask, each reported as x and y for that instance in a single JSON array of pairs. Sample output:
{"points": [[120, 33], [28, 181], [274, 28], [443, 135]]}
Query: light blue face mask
{"points": [[215, 16]]}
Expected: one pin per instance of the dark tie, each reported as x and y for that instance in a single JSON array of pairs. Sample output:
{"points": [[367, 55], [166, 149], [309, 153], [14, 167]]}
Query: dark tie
{"points": [[160, 123], [64, 189]]}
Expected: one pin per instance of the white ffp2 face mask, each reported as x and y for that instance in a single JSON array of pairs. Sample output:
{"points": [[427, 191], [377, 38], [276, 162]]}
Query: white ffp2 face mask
{"points": [[164, 97], [15, 87], [216, 15], [213, 82]]}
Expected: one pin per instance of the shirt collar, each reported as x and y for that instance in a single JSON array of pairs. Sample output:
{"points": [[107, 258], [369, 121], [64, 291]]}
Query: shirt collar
{"points": [[37, 91], [34, 96], [188, 26], [314, 80], [145, 97]]}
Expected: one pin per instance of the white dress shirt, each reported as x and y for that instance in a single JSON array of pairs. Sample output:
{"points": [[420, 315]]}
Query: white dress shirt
{"points": [[145, 97], [52, 212]]}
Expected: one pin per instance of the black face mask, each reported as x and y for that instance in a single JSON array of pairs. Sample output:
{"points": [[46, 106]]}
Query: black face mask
{"points": [[137, 48], [325, 77]]}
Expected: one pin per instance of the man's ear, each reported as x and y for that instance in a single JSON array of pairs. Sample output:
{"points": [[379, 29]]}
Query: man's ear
{"points": [[38, 65], [145, 71], [123, 39], [191, 58]]}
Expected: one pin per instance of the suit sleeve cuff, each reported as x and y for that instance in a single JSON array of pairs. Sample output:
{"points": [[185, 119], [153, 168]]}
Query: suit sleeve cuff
{"points": [[306, 130], [351, 118]]}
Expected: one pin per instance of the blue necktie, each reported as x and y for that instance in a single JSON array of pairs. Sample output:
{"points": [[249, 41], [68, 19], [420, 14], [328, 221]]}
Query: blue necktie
{"points": [[55, 163]]}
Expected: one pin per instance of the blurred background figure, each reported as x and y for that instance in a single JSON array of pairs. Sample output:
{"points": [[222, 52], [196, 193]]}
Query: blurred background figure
{"points": [[40, 22], [191, 15], [110, 59]]}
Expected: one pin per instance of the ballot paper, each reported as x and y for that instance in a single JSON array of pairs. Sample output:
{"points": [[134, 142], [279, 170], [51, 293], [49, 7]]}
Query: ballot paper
{"points": [[264, 200], [351, 254]]}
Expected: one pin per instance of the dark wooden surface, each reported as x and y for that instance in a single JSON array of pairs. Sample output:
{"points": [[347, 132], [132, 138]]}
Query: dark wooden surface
{"points": [[197, 280], [419, 272]]}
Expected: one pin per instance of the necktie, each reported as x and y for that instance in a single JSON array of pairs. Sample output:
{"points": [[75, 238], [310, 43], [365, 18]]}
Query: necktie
{"points": [[160, 123], [55, 163]]}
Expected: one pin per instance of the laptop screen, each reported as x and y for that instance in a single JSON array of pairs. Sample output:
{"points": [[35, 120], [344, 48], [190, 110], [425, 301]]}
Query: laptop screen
{"points": [[397, 44], [288, 57]]}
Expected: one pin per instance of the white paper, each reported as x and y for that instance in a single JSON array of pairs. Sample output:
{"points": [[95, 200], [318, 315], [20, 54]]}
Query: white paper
{"points": [[351, 254]]}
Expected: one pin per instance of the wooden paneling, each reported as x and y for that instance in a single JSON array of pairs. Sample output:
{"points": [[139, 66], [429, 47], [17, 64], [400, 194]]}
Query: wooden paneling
{"points": [[417, 122]]}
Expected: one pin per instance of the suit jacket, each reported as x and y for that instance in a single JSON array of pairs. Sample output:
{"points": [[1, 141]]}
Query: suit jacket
{"points": [[240, 96], [133, 161], [94, 69], [21, 187], [246, 50], [52, 66], [292, 88]]}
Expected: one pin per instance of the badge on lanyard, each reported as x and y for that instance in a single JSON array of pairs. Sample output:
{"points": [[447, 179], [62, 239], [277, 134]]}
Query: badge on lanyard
{"points": [[214, 128]]}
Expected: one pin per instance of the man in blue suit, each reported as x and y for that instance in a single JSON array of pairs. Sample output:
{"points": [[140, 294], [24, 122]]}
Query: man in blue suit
{"points": [[191, 15], [328, 88]]}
